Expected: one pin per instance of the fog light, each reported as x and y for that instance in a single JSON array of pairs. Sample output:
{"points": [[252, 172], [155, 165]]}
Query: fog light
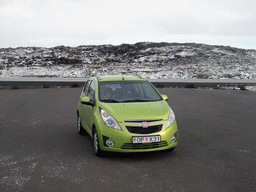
{"points": [[110, 142], [174, 139]]}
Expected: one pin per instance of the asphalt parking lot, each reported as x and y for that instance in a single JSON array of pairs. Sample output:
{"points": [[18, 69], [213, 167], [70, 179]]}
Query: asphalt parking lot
{"points": [[40, 149]]}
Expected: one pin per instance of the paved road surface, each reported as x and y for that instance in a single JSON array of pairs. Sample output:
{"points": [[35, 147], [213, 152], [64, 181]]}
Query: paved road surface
{"points": [[41, 151]]}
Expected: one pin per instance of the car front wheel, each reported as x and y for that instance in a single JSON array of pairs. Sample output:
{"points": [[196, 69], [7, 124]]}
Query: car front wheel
{"points": [[96, 146], [80, 128]]}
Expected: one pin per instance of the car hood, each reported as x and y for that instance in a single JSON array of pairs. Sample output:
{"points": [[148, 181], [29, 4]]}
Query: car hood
{"points": [[137, 110]]}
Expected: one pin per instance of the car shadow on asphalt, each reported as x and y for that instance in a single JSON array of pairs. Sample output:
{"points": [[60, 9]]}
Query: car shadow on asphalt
{"points": [[139, 155]]}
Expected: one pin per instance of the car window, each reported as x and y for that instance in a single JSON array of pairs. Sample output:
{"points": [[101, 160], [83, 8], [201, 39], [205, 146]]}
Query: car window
{"points": [[91, 91], [127, 91], [146, 89], [86, 87]]}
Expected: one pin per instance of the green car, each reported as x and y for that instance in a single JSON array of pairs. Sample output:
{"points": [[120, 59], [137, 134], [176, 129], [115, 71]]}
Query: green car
{"points": [[125, 114]]}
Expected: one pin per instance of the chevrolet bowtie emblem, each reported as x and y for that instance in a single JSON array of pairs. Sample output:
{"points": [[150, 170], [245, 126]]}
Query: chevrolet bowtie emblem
{"points": [[145, 124]]}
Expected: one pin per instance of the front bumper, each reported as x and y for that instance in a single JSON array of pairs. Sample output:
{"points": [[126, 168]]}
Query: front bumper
{"points": [[123, 139]]}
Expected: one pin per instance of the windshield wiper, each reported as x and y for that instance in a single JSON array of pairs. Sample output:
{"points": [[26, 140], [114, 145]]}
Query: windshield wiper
{"points": [[110, 101], [137, 100]]}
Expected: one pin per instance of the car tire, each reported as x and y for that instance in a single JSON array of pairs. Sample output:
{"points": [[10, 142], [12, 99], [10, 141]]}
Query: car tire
{"points": [[96, 146], [79, 126]]}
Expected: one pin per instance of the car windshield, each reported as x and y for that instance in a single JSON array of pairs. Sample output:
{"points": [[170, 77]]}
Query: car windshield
{"points": [[127, 91]]}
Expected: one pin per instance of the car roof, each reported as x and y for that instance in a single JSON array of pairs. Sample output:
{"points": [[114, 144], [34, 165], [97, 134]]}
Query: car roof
{"points": [[120, 78]]}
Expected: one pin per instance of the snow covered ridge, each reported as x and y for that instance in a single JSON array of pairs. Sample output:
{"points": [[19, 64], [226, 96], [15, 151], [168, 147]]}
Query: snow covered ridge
{"points": [[150, 60]]}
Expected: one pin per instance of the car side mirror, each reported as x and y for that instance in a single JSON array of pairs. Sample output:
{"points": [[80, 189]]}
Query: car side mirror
{"points": [[164, 97], [86, 100]]}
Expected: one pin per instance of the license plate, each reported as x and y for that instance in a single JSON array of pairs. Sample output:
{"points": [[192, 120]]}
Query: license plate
{"points": [[148, 139]]}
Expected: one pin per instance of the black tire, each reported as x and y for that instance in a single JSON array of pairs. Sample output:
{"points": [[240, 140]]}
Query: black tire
{"points": [[96, 146], [80, 128]]}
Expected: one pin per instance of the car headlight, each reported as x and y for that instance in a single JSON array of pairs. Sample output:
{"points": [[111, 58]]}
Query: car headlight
{"points": [[171, 118], [109, 120]]}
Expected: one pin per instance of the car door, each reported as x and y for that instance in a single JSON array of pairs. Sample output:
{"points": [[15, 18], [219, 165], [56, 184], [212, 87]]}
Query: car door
{"points": [[82, 106], [88, 110]]}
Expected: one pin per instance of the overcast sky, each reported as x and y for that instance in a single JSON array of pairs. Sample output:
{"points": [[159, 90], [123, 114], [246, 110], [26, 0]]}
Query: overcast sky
{"points": [[48, 23]]}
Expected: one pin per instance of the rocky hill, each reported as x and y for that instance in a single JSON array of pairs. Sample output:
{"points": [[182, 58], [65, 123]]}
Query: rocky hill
{"points": [[151, 60]]}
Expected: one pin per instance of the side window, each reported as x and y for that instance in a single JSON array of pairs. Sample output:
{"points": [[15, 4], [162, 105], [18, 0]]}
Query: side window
{"points": [[91, 91], [86, 87]]}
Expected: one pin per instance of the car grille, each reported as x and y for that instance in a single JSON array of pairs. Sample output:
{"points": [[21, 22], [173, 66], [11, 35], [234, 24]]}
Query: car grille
{"points": [[141, 130], [144, 145]]}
